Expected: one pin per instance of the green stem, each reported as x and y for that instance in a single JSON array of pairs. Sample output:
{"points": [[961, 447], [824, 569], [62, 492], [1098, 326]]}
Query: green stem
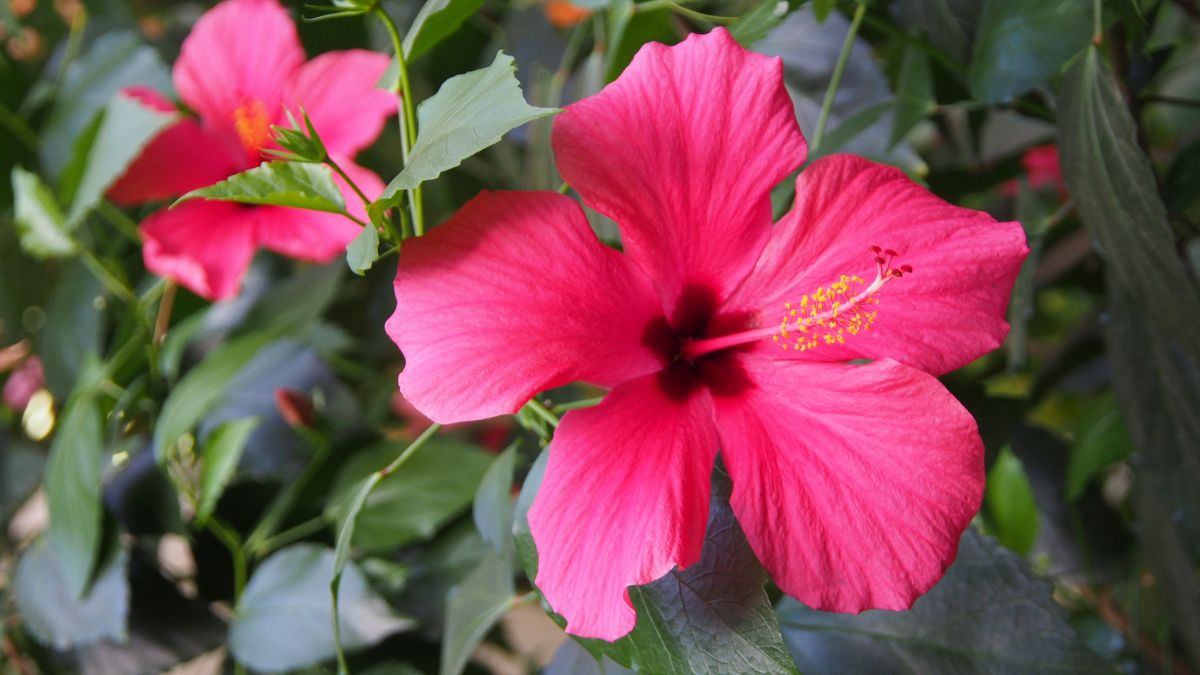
{"points": [[693, 14], [232, 541], [409, 117], [349, 181], [836, 80], [408, 452], [18, 128], [1097, 22], [282, 504], [542, 412], [575, 405], [121, 222], [291, 535]]}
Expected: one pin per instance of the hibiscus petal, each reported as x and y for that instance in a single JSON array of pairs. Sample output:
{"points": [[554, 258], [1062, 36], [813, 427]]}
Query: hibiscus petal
{"points": [[947, 312], [852, 483], [205, 246], [316, 235], [337, 90], [157, 173], [239, 52], [682, 151], [512, 296], [624, 501]]}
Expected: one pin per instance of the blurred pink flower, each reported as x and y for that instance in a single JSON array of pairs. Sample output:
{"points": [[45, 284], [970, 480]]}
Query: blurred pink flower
{"points": [[240, 69], [25, 380], [716, 329], [1043, 170]]}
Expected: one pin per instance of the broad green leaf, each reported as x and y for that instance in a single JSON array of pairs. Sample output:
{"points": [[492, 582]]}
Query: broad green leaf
{"points": [[989, 614], [219, 459], [573, 659], [1158, 386], [58, 618], [363, 250], [758, 22], [469, 112], [914, 93], [1019, 44], [40, 223], [74, 328], [473, 608], [1033, 215], [435, 484], [949, 24], [822, 8], [1113, 185], [851, 126], [126, 128], [713, 617], [493, 509], [115, 60], [436, 21], [21, 467], [1101, 440], [299, 185], [202, 387], [294, 304], [73, 492], [282, 621], [1010, 503]]}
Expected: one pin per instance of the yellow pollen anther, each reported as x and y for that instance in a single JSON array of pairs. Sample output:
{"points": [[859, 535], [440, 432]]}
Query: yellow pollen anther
{"points": [[831, 312], [252, 125]]}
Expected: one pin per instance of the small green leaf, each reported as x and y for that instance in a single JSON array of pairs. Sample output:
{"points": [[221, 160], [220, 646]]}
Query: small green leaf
{"points": [[1019, 44], [988, 614], [758, 22], [1101, 440], [58, 618], [914, 93], [434, 485], [219, 460], [202, 387], [126, 127], [1113, 185], [296, 184], [493, 508], [73, 491], [436, 21], [282, 621], [363, 250], [40, 223], [822, 8], [469, 112], [473, 607], [850, 127], [74, 328], [1010, 503]]}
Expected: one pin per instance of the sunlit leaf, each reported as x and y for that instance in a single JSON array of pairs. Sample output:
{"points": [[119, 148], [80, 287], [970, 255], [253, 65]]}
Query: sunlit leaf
{"points": [[40, 222], [363, 250], [1010, 503], [299, 185], [468, 113]]}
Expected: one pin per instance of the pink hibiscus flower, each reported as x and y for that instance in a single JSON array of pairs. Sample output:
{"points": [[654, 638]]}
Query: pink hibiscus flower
{"points": [[241, 68], [804, 351]]}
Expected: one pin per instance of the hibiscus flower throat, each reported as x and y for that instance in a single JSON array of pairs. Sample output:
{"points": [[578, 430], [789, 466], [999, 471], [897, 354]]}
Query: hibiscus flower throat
{"points": [[823, 317]]}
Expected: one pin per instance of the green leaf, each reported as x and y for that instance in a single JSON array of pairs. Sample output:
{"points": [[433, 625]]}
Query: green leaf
{"points": [[493, 509], [473, 608], [21, 468], [950, 24], [115, 60], [219, 460], [363, 250], [202, 387], [282, 621], [58, 618], [74, 328], [573, 659], [1100, 440], [126, 128], [469, 112], [822, 8], [436, 21], [296, 184], [713, 617], [73, 492], [1113, 185], [1034, 216], [40, 223], [293, 305], [433, 486], [850, 127], [758, 22], [1021, 43], [1158, 386], [988, 614], [914, 93], [1010, 503]]}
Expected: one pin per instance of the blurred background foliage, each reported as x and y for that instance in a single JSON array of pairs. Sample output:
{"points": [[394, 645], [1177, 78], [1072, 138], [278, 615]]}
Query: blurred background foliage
{"points": [[269, 411]]}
